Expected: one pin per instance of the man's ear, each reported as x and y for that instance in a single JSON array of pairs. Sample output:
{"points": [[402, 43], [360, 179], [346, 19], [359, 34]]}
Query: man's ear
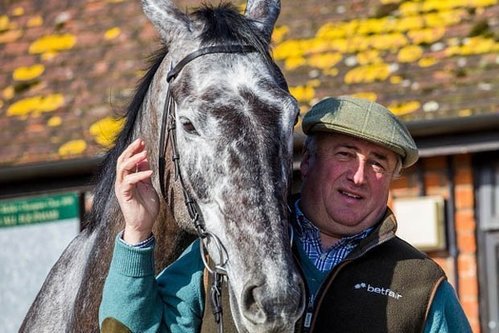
{"points": [[305, 164]]}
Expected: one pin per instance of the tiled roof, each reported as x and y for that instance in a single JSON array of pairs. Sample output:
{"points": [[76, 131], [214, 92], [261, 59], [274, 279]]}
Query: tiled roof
{"points": [[69, 67], [424, 59]]}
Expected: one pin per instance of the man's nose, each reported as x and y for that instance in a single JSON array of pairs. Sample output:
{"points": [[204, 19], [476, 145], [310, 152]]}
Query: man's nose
{"points": [[359, 176]]}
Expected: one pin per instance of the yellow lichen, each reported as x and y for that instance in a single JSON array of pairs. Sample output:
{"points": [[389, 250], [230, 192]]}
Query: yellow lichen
{"points": [[444, 18], [474, 45], [279, 33], [314, 83], [439, 5], [392, 41], [52, 43], [371, 96], [35, 21], [410, 20], [396, 79], [28, 73], [368, 57], [410, 53], [48, 55], [4, 22], [430, 5], [367, 74], [140, 73], [415, 7], [341, 45], [303, 94], [36, 105], [324, 60], [404, 108], [410, 8], [358, 44], [18, 11], [331, 71], [294, 62], [10, 36], [416, 23], [427, 61], [288, 49], [484, 3], [105, 130], [315, 45], [427, 36], [409, 23], [54, 121], [372, 26], [330, 31], [112, 33], [73, 147], [8, 92]]}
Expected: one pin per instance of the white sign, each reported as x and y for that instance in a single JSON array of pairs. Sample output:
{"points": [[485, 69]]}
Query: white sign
{"points": [[31, 244], [421, 222]]}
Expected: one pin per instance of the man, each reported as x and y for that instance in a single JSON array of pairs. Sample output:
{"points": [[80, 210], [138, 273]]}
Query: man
{"points": [[360, 277]]}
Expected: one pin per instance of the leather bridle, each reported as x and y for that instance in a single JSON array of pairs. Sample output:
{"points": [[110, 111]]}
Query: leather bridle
{"points": [[168, 126]]}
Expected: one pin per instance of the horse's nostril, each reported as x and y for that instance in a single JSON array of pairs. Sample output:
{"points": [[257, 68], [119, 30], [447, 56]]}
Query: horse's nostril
{"points": [[252, 304], [264, 305]]}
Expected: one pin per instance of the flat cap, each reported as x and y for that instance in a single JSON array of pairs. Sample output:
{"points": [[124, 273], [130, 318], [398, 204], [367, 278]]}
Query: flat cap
{"points": [[363, 119]]}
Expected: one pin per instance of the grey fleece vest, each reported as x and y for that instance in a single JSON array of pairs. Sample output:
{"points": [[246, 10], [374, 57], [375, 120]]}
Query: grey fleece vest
{"points": [[388, 289]]}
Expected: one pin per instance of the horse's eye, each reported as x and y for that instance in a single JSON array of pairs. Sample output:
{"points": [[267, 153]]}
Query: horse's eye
{"points": [[188, 126]]}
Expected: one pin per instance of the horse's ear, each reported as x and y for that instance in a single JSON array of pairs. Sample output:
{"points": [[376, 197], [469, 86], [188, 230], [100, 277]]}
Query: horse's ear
{"points": [[166, 18], [264, 13]]}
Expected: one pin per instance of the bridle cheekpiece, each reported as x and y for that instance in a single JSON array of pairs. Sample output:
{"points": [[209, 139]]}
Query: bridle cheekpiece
{"points": [[168, 126]]}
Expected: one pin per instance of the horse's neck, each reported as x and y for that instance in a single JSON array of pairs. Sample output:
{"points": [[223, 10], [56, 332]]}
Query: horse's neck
{"points": [[71, 294]]}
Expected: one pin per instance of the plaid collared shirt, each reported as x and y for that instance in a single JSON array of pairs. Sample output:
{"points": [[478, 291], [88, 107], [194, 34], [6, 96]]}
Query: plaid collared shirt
{"points": [[323, 259]]}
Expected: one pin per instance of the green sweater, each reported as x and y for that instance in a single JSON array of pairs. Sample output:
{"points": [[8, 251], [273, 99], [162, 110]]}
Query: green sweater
{"points": [[173, 301]]}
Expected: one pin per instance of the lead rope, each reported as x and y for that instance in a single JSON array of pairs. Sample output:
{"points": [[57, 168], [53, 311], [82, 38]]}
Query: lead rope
{"points": [[218, 271]]}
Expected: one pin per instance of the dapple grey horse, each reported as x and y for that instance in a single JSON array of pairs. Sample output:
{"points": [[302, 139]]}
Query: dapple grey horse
{"points": [[230, 133]]}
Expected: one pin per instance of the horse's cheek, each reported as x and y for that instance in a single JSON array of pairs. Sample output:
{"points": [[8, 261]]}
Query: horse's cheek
{"points": [[200, 182]]}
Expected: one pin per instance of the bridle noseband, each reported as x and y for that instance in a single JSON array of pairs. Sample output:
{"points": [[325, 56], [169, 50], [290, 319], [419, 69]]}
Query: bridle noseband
{"points": [[168, 126]]}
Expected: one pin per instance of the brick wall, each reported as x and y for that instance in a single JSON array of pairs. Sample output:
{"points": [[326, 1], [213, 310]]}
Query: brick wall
{"points": [[451, 178]]}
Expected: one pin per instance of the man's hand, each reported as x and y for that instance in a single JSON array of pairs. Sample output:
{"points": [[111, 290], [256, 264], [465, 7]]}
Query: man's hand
{"points": [[136, 196]]}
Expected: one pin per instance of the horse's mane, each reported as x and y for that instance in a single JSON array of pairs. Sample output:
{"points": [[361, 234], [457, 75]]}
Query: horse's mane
{"points": [[223, 25], [107, 170]]}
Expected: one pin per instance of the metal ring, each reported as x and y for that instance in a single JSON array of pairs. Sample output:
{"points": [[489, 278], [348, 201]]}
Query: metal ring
{"points": [[223, 256]]}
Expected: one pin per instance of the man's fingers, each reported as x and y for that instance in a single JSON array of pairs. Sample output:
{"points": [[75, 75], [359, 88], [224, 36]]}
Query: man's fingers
{"points": [[132, 164], [143, 165], [137, 177], [125, 189], [133, 148]]}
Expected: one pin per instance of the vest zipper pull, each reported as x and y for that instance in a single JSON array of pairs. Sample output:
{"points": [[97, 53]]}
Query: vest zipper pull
{"points": [[309, 313]]}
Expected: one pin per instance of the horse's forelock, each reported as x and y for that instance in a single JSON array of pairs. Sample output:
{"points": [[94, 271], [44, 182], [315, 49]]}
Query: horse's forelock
{"points": [[223, 24]]}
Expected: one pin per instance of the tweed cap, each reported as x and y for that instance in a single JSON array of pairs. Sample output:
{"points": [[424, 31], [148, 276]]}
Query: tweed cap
{"points": [[363, 119]]}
